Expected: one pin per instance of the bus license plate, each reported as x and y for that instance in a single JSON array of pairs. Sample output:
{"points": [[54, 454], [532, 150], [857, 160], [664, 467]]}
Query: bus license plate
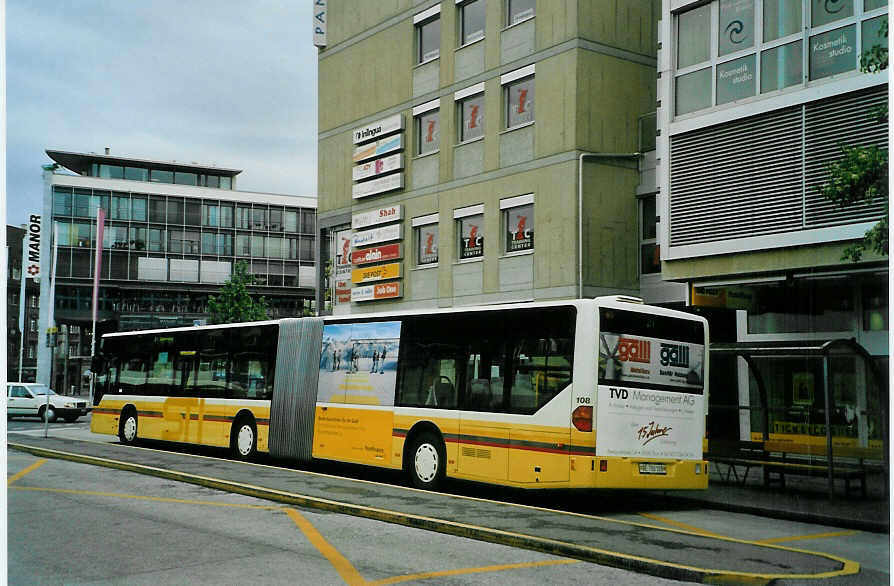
{"points": [[649, 468]]}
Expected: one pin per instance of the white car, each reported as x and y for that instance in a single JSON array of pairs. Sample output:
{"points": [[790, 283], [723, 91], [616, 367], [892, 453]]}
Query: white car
{"points": [[30, 399]]}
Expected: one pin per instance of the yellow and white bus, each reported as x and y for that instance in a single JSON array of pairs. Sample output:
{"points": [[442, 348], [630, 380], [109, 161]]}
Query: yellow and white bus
{"points": [[593, 393]]}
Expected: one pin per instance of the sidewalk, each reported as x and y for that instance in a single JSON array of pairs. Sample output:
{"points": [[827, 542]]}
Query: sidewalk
{"points": [[803, 498]]}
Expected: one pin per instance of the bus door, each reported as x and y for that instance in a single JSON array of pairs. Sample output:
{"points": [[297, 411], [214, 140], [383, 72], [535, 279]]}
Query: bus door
{"points": [[484, 434], [539, 369]]}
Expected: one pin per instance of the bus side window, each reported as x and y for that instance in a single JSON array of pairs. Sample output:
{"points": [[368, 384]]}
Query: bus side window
{"points": [[541, 359], [160, 379]]}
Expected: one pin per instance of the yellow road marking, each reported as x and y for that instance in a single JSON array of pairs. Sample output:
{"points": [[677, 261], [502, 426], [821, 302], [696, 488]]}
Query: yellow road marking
{"points": [[146, 498], [27, 470], [341, 564], [483, 569], [811, 536], [684, 526]]}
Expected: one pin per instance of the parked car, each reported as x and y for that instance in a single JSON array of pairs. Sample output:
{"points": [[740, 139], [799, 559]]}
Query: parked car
{"points": [[30, 399]]}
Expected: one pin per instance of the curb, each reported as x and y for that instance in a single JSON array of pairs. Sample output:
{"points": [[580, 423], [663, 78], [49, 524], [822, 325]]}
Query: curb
{"points": [[812, 518], [539, 544]]}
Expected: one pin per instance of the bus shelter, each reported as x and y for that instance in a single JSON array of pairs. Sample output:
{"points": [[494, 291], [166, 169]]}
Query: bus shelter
{"points": [[823, 398]]}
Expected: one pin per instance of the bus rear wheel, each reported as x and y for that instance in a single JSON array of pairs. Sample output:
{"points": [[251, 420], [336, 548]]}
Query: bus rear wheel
{"points": [[127, 429], [244, 439], [427, 461]]}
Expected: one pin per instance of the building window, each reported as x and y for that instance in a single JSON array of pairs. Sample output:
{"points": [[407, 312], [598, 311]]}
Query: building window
{"points": [[212, 180], [243, 217], [226, 183], [650, 255], [275, 220], [471, 236], [781, 67], [519, 10], [519, 100], [736, 30], [735, 79], [290, 221], [209, 214], [184, 242], [226, 216], [209, 244], [136, 174], [739, 57], [175, 211], [12, 297], [781, 18], [157, 210], [182, 178], [428, 34], [428, 132], [120, 206], [156, 240], [426, 236], [471, 21], [32, 351], [61, 201], [833, 52], [471, 113], [259, 218], [32, 325], [138, 208], [243, 245], [694, 36], [137, 238], [111, 172], [518, 223], [156, 176], [826, 12]]}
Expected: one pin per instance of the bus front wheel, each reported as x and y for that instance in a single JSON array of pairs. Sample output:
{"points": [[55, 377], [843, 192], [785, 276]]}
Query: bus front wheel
{"points": [[427, 461], [244, 439]]}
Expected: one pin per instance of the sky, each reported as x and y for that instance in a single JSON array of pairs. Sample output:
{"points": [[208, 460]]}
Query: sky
{"points": [[219, 82]]}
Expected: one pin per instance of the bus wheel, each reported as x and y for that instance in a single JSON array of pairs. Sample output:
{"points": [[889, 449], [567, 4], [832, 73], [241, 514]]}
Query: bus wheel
{"points": [[127, 429], [244, 439], [427, 461]]}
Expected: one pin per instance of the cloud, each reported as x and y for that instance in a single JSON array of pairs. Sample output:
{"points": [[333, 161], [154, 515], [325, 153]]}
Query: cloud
{"points": [[226, 83]]}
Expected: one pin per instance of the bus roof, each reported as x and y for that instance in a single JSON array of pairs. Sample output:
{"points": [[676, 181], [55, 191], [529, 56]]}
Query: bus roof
{"points": [[615, 301]]}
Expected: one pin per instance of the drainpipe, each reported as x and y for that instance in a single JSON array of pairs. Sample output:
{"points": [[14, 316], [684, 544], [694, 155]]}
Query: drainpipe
{"points": [[580, 208]]}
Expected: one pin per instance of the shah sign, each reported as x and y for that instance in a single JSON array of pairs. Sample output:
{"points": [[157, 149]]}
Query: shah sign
{"points": [[377, 216]]}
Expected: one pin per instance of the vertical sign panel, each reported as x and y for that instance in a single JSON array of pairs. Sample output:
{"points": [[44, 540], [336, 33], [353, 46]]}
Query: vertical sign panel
{"points": [[321, 15]]}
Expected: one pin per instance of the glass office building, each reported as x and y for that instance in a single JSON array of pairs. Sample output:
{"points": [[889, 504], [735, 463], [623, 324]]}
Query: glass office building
{"points": [[171, 238]]}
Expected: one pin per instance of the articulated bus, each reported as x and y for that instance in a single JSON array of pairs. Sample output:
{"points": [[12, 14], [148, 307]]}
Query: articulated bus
{"points": [[593, 393]]}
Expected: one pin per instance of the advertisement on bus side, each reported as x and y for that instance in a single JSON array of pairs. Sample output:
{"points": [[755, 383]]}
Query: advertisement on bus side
{"points": [[358, 363], [651, 361]]}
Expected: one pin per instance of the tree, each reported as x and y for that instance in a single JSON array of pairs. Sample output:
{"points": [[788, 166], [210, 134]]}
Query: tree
{"points": [[861, 174], [235, 304]]}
